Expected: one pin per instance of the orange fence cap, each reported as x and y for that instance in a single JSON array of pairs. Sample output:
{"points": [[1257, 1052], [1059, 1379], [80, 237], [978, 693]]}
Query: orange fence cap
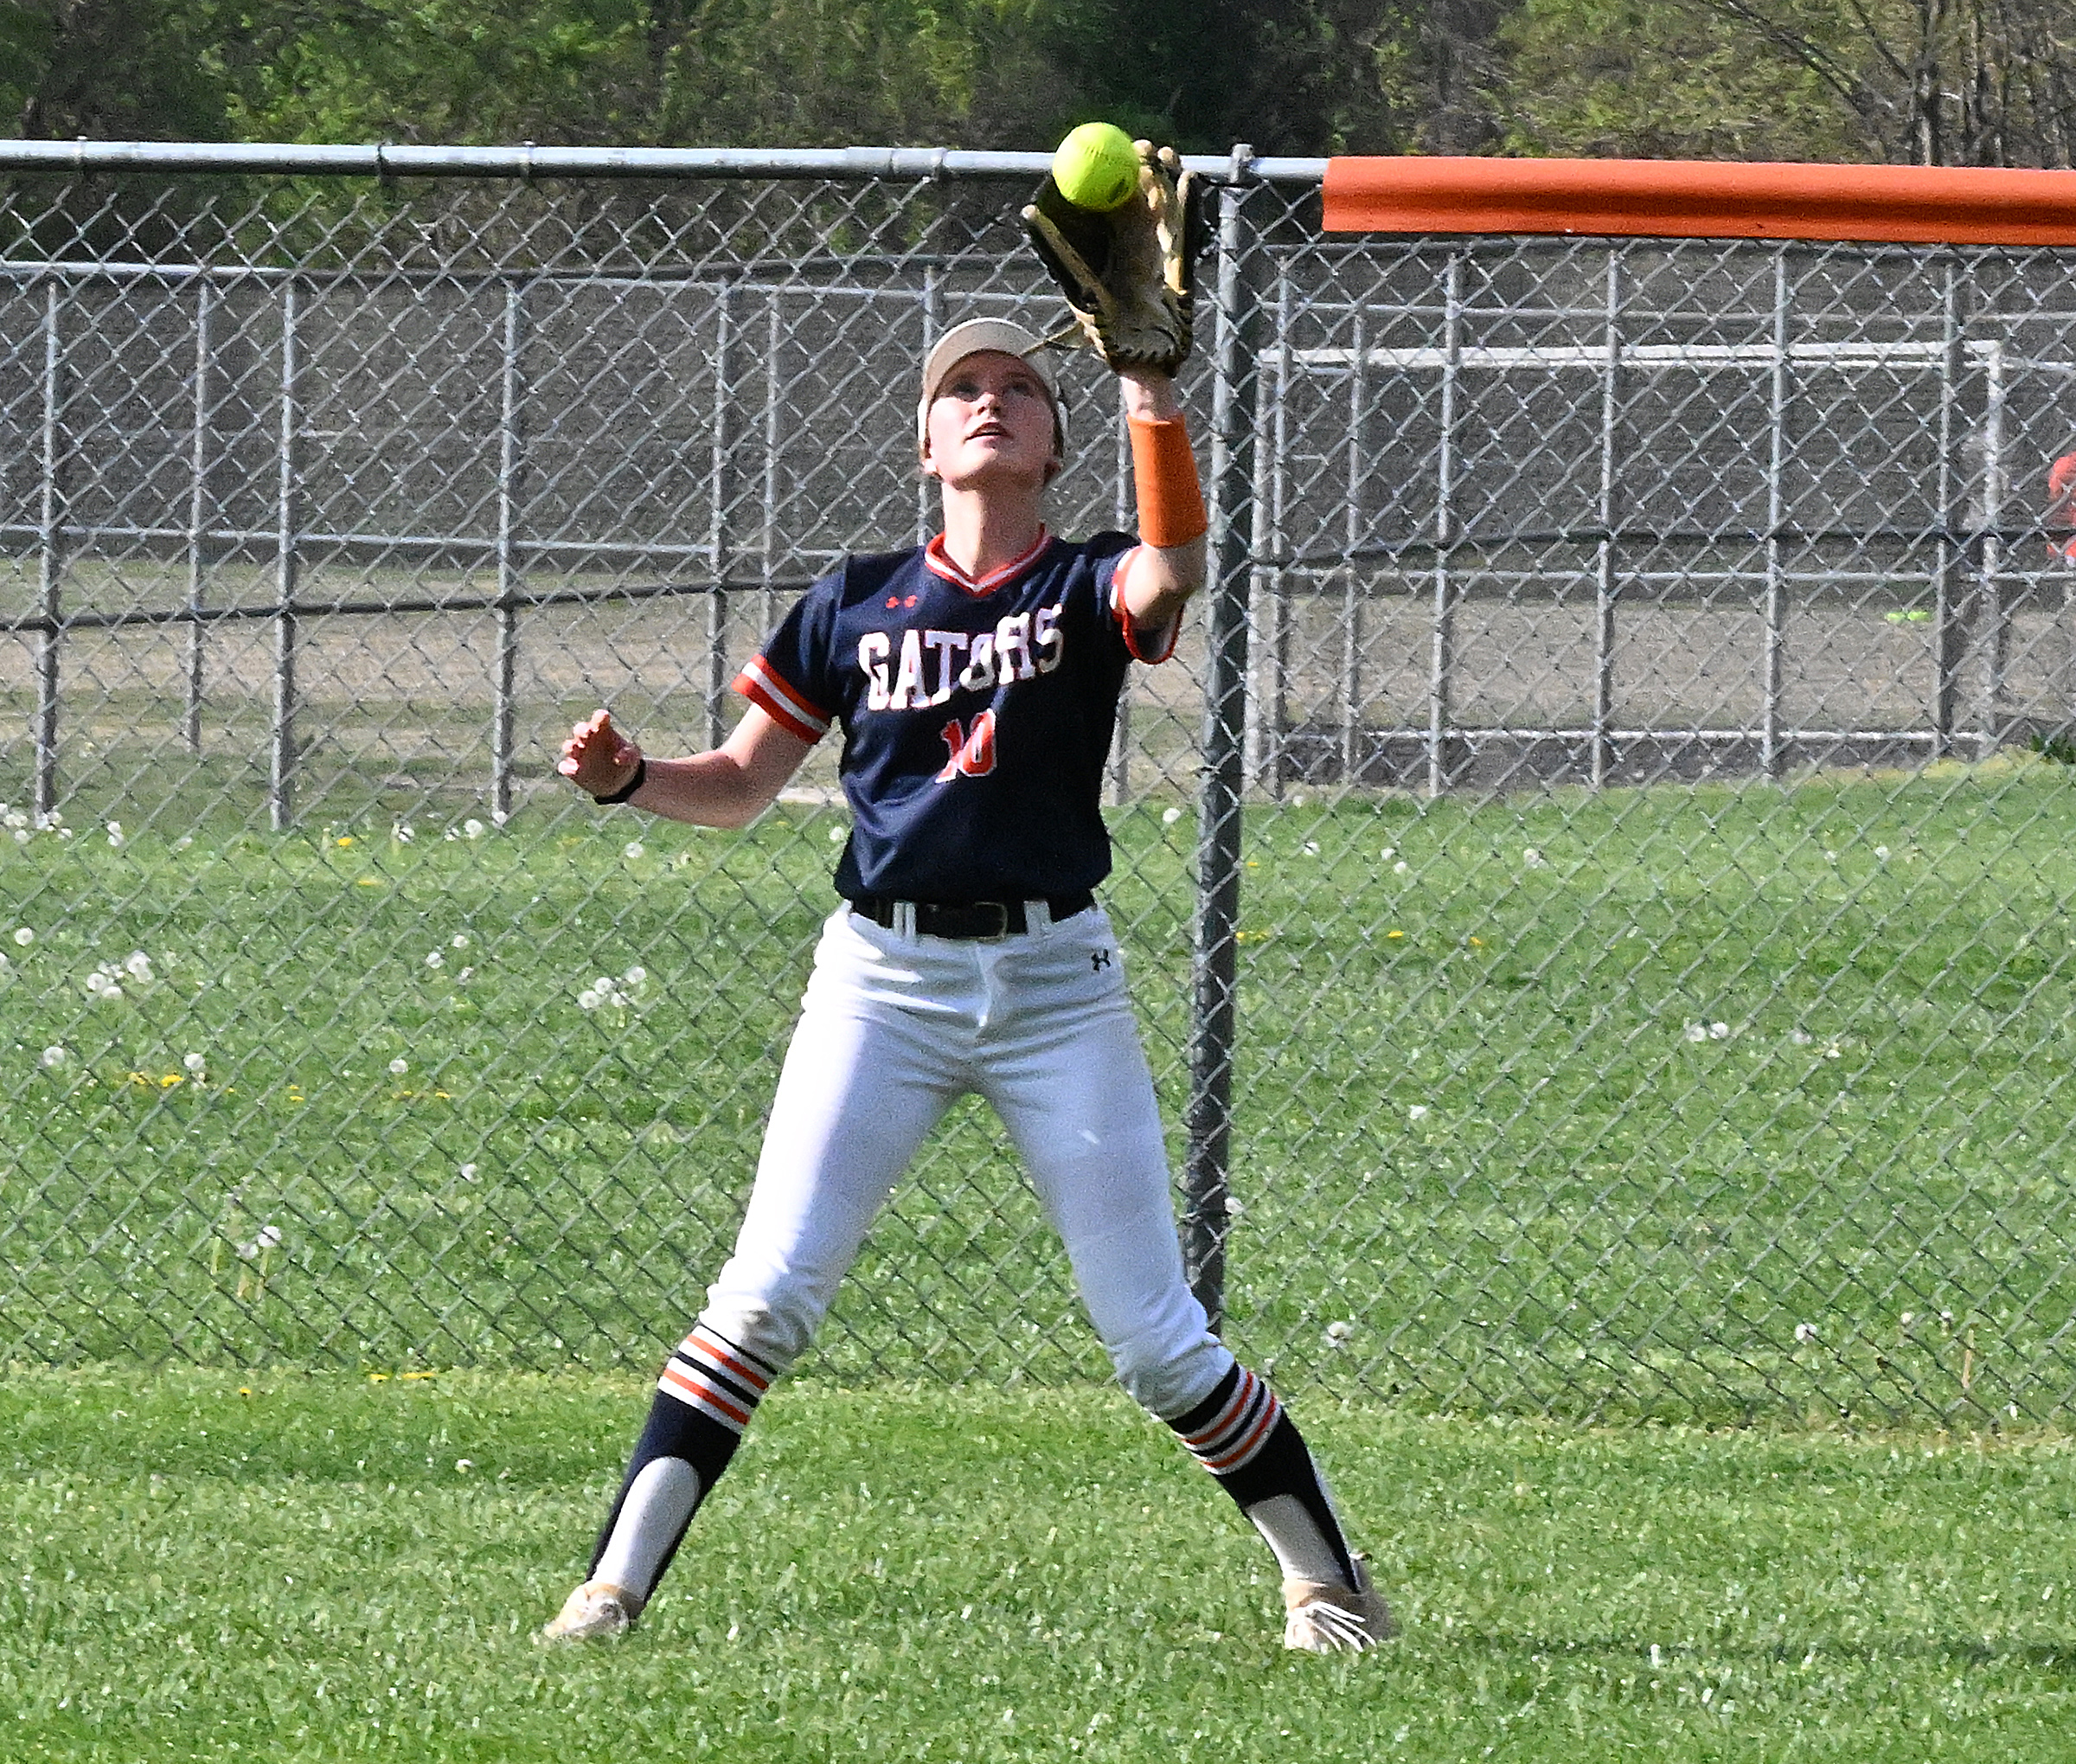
{"points": [[1701, 199]]}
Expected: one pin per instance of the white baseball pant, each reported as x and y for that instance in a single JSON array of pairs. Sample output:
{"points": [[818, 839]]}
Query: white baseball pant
{"points": [[894, 1028]]}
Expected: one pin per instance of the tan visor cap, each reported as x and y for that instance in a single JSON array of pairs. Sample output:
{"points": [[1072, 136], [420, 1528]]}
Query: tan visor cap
{"points": [[970, 339]]}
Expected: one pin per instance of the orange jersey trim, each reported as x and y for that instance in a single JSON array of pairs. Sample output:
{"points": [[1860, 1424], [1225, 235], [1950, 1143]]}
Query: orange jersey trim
{"points": [[766, 687], [938, 561], [1152, 647], [1701, 199]]}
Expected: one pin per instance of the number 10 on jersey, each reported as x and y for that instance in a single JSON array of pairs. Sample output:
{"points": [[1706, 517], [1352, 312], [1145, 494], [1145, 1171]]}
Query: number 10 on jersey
{"points": [[972, 748]]}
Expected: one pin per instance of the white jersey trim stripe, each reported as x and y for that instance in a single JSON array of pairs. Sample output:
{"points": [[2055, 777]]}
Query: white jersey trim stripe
{"points": [[938, 561], [764, 687]]}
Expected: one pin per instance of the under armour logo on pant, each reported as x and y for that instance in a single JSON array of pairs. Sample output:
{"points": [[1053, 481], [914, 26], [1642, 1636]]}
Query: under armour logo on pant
{"points": [[1097, 960]]}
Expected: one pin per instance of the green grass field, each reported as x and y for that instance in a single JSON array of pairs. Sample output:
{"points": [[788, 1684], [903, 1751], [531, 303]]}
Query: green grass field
{"points": [[1725, 1102], [206, 1567]]}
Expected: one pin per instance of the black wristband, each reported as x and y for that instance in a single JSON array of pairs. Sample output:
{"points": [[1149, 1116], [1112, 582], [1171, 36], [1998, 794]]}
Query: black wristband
{"points": [[641, 775]]}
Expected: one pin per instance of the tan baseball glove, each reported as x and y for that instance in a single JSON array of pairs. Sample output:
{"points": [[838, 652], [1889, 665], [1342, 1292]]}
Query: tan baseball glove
{"points": [[1129, 275]]}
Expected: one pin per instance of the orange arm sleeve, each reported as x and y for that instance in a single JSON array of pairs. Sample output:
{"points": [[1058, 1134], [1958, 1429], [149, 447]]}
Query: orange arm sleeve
{"points": [[1163, 471]]}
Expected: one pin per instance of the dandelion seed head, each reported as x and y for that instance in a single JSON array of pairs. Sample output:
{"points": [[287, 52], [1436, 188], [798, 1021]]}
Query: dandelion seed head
{"points": [[194, 1062], [1400, 867], [837, 836], [635, 975], [1881, 852], [269, 1237], [459, 941], [472, 829], [50, 1056], [1417, 1112], [632, 850], [1340, 1330], [1697, 1031], [398, 1066], [1718, 1031], [468, 1173], [1388, 854], [138, 965], [25, 937], [1311, 847], [1170, 814], [1532, 857], [1805, 1331], [435, 959], [588, 1000]]}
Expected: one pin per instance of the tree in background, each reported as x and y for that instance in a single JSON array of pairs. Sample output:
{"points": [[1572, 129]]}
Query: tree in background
{"points": [[1931, 82], [1938, 81], [111, 69]]}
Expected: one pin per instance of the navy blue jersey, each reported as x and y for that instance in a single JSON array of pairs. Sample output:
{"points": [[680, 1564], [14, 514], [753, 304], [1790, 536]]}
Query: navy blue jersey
{"points": [[976, 713]]}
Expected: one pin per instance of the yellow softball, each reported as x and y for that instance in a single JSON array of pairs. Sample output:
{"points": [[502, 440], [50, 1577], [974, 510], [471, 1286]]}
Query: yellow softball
{"points": [[1097, 168]]}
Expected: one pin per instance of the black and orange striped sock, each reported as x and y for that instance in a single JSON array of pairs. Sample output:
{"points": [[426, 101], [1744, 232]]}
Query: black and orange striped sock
{"points": [[1243, 1436], [708, 1392]]}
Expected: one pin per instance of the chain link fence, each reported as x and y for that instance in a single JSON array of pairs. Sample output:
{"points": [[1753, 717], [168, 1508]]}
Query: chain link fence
{"points": [[1596, 873]]}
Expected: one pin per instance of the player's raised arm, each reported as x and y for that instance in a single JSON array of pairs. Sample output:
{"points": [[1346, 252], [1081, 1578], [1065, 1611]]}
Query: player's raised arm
{"points": [[1127, 265], [729, 786]]}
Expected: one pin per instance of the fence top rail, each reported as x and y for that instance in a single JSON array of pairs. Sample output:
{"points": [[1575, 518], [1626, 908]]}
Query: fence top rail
{"points": [[527, 161]]}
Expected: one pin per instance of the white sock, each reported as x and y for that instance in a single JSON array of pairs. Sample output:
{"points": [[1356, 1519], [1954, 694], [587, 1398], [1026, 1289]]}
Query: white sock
{"points": [[658, 1507], [1302, 1550]]}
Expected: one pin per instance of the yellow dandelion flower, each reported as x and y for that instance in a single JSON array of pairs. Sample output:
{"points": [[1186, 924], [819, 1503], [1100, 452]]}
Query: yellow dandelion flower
{"points": [[347, 840], [1395, 933]]}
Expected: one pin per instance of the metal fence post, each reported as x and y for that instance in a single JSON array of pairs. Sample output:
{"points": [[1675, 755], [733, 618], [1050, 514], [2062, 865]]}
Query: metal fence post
{"points": [[1987, 539], [721, 485], [1605, 587], [767, 594], [1351, 604], [1775, 659], [1121, 512], [1442, 657], [1950, 616], [511, 581], [50, 558], [198, 508], [1269, 591], [281, 780], [1213, 965], [932, 306]]}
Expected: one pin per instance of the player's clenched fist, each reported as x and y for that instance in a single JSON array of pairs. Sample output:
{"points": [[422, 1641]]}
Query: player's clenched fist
{"points": [[598, 758]]}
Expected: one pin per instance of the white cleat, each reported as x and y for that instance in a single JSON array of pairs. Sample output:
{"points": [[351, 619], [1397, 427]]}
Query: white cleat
{"points": [[595, 1612], [1324, 1617]]}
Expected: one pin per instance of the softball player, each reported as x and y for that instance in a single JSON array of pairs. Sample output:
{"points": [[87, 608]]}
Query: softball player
{"points": [[977, 681]]}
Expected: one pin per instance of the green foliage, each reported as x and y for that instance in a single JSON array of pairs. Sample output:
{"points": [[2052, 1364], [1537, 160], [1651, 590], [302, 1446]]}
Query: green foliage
{"points": [[1661, 78], [113, 69]]}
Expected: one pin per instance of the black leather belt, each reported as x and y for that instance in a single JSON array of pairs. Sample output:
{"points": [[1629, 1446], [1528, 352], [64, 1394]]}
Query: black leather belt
{"points": [[969, 919]]}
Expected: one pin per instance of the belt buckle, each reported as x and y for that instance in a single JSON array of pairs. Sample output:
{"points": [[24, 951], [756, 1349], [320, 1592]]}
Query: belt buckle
{"points": [[1001, 909]]}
